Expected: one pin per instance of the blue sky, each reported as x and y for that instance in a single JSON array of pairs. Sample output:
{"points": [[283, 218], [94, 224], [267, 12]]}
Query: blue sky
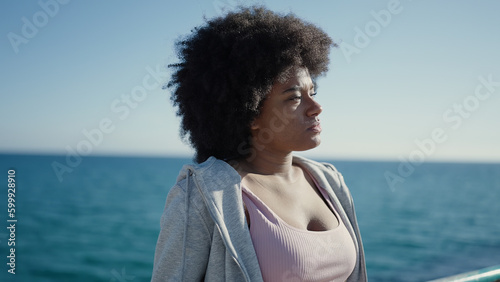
{"points": [[411, 79]]}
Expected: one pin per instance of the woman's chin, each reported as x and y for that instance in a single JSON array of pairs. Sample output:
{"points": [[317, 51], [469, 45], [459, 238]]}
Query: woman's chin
{"points": [[310, 144]]}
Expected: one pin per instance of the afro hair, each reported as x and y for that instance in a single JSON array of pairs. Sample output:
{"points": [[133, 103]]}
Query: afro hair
{"points": [[228, 66]]}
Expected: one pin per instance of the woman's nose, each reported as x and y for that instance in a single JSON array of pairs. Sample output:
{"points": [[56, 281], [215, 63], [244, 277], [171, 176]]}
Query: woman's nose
{"points": [[314, 109]]}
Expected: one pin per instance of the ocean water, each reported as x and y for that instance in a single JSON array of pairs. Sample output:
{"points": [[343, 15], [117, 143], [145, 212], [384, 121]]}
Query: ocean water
{"points": [[101, 222]]}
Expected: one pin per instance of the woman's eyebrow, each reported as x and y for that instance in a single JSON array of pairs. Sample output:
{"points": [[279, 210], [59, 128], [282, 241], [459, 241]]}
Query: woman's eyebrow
{"points": [[292, 89], [297, 88]]}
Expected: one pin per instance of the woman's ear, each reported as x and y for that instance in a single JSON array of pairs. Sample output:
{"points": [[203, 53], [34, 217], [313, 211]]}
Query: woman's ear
{"points": [[254, 125]]}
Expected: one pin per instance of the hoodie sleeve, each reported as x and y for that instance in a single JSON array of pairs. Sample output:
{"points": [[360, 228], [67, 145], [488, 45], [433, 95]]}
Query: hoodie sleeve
{"points": [[183, 246], [343, 194], [345, 198]]}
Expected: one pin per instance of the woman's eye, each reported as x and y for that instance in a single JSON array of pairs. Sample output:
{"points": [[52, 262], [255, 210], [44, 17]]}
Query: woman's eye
{"points": [[314, 94], [296, 98]]}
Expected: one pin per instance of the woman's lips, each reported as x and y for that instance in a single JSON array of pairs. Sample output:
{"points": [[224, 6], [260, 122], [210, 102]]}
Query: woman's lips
{"points": [[316, 127]]}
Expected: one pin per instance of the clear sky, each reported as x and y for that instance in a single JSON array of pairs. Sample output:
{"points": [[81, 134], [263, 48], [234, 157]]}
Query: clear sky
{"points": [[411, 79]]}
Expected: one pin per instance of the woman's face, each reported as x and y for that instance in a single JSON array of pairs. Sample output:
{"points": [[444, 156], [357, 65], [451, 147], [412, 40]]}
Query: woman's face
{"points": [[289, 116]]}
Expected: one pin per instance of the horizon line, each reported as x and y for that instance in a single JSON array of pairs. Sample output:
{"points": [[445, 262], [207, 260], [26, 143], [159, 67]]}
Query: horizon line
{"points": [[191, 157]]}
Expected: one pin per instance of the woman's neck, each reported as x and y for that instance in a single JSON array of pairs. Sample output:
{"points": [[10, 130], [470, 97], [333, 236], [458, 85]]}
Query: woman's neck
{"points": [[267, 163]]}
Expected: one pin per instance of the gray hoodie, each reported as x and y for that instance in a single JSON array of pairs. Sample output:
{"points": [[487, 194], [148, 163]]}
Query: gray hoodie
{"points": [[204, 233]]}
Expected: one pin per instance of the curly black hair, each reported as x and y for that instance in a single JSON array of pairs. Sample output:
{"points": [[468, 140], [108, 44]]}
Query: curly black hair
{"points": [[228, 66]]}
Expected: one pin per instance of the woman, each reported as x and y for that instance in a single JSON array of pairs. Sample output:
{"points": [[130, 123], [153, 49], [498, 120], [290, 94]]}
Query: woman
{"points": [[249, 210]]}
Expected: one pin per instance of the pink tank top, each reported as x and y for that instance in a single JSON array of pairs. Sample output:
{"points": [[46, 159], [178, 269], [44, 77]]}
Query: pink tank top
{"points": [[286, 253]]}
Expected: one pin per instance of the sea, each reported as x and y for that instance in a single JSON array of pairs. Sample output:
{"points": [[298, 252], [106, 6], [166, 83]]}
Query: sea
{"points": [[98, 218]]}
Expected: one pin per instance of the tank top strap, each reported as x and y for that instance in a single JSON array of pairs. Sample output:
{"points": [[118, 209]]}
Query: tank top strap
{"points": [[325, 195], [257, 208]]}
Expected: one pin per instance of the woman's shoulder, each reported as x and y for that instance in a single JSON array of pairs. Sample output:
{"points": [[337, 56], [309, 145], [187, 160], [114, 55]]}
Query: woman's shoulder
{"points": [[326, 172], [204, 183], [324, 167], [211, 170]]}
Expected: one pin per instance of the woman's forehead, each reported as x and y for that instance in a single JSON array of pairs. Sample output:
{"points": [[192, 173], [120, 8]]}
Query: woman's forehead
{"points": [[298, 77]]}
